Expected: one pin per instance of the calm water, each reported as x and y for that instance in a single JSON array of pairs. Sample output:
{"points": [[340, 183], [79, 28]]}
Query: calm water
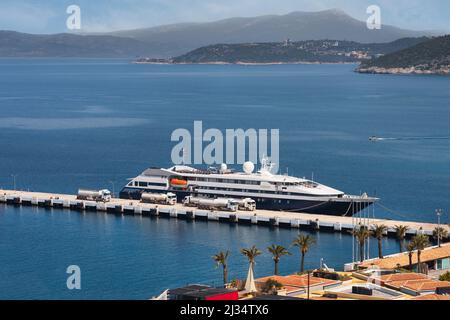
{"points": [[71, 123]]}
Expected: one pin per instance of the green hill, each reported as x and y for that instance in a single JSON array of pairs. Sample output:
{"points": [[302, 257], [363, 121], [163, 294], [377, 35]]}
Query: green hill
{"points": [[431, 56], [313, 51], [16, 44]]}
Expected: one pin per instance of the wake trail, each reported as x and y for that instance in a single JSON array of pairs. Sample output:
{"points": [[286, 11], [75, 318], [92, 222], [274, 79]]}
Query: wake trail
{"points": [[410, 138]]}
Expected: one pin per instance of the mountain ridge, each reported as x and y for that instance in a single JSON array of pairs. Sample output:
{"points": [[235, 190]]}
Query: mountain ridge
{"points": [[176, 39]]}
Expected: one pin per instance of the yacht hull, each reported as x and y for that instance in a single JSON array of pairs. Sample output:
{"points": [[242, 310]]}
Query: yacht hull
{"points": [[331, 206]]}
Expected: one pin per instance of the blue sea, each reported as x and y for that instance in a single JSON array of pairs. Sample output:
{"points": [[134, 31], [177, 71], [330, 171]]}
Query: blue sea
{"points": [[94, 123]]}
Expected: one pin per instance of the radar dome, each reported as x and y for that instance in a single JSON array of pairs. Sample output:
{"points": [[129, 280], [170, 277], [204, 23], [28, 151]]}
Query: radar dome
{"points": [[248, 167], [223, 167]]}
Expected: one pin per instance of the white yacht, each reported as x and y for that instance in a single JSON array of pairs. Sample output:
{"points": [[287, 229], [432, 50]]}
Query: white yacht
{"points": [[270, 191]]}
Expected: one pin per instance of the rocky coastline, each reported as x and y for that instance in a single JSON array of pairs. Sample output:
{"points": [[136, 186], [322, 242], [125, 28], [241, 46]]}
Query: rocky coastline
{"points": [[443, 70]]}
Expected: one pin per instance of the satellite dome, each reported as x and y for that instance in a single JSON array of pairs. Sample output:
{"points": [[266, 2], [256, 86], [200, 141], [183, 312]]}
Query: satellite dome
{"points": [[248, 167]]}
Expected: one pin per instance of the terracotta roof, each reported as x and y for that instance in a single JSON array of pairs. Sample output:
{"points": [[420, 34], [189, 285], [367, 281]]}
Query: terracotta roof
{"points": [[395, 277], [432, 297], [403, 283], [430, 285], [298, 281], [402, 259], [412, 281]]}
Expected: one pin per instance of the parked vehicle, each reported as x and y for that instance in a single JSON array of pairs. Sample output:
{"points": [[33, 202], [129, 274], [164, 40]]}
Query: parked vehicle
{"points": [[160, 198], [247, 204], [211, 204], [94, 195]]}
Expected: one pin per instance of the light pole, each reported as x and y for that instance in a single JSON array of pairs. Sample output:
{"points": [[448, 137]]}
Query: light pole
{"points": [[309, 277], [14, 180], [113, 188], [439, 213]]}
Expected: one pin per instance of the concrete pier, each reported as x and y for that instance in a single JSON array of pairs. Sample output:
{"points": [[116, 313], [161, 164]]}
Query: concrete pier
{"points": [[274, 219]]}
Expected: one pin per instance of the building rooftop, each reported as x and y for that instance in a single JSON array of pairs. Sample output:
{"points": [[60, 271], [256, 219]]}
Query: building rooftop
{"points": [[358, 286], [377, 292], [299, 281], [432, 296], [199, 292], [402, 259], [273, 297], [401, 277], [412, 283], [425, 285]]}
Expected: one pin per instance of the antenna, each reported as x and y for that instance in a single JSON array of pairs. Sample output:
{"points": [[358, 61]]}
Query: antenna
{"points": [[263, 162], [266, 165]]}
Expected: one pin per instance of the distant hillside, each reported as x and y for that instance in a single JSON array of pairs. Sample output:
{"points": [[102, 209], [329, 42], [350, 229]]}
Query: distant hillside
{"points": [[173, 40], [177, 39], [15, 44], [432, 56], [322, 51]]}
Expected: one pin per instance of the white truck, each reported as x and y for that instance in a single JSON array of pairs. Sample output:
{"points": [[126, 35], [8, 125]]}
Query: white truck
{"points": [[94, 195], [211, 204], [247, 204], [161, 198]]}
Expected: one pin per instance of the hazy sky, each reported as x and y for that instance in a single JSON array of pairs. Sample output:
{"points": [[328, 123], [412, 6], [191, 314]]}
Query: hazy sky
{"points": [[49, 16]]}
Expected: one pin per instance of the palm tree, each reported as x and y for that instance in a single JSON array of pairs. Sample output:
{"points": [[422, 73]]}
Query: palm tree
{"points": [[410, 247], [277, 252], [303, 242], [362, 234], [378, 232], [251, 254], [221, 259], [420, 242], [401, 230], [440, 233]]}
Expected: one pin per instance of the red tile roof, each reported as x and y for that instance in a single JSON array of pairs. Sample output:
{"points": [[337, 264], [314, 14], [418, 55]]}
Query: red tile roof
{"points": [[395, 277], [299, 281], [412, 281], [431, 285], [402, 259]]}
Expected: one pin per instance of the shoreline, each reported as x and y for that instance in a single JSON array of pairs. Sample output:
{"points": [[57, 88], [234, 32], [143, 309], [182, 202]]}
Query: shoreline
{"points": [[403, 71], [244, 63]]}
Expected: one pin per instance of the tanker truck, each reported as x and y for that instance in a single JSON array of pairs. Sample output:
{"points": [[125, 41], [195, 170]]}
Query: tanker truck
{"points": [[191, 201], [247, 204], [211, 204], [94, 195], [160, 198]]}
